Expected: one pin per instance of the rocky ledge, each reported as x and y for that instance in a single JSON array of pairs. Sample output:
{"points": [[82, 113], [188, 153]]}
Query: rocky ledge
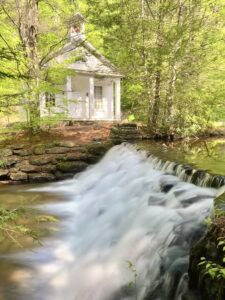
{"points": [[207, 259], [47, 162]]}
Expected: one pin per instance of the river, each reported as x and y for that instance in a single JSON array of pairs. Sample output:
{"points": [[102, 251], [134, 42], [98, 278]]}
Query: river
{"points": [[124, 232]]}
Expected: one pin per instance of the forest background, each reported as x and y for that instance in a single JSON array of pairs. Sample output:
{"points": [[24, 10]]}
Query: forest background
{"points": [[172, 53]]}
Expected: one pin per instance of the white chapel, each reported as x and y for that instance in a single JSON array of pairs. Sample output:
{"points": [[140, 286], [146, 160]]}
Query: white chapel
{"points": [[94, 92]]}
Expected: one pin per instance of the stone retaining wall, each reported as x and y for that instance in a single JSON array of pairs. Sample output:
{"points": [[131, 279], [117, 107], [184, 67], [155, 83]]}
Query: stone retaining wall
{"points": [[48, 162]]}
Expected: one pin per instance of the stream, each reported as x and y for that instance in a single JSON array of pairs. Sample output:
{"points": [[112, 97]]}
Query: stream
{"points": [[124, 233]]}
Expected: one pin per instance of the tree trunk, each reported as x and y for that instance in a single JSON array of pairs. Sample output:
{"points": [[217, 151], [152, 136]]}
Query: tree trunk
{"points": [[157, 77], [28, 27], [156, 103], [145, 53], [172, 77], [170, 96]]}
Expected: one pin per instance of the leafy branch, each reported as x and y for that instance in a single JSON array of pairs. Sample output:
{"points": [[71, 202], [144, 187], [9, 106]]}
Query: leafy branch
{"points": [[214, 270]]}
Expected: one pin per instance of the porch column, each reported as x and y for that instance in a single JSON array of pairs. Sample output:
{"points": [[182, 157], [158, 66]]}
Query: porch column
{"points": [[109, 95], [91, 97], [117, 99], [69, 94]]}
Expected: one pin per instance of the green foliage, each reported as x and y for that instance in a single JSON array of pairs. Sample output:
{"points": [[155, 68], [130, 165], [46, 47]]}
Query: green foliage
{"points": [[219, 212], [131, 118], [208, 221], [171, 55], [28, 65], [215, 271]]}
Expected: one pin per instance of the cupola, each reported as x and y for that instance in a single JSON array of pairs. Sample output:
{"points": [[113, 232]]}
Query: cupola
{"points": [[77, 30]]}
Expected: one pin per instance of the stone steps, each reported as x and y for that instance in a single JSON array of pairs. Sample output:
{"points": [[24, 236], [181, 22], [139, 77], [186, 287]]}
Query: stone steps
{"points": [[125, 132]]}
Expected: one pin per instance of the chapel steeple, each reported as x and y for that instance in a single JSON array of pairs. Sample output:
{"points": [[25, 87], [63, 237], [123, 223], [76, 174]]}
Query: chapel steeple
{"points": [[77, 30]]}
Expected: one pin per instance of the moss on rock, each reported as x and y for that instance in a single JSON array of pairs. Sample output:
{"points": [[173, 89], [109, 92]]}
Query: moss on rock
{"points": [[71, 166], [39, 150], [40, 160]]}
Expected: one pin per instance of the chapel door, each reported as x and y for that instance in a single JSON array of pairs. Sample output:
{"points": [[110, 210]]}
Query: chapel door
{"points": [[98, 102]]}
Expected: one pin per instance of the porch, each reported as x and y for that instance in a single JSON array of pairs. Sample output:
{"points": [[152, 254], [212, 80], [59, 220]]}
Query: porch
{"points": [[90, 98]]}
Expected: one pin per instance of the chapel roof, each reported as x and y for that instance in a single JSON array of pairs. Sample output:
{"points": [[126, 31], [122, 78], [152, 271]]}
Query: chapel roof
{"points": [[93, 62]]}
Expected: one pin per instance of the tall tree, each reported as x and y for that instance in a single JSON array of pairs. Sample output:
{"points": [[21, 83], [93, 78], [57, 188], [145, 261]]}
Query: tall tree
{"points": [[163, 49], [34, 33]]}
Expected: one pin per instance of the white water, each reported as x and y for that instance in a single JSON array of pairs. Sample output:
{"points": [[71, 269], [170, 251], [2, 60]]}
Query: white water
{"points": [[113, 213], [187, 173]]}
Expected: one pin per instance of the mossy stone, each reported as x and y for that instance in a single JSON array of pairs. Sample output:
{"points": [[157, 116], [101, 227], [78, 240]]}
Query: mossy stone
{"points": [[39, 150], [71, 166]]}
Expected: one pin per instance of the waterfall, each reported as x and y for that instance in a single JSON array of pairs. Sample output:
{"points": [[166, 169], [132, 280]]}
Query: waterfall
{"points": [[127, 227], [187, 173]]}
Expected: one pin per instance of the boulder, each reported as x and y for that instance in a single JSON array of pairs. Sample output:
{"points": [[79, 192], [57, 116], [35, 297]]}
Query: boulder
{"points": [[28, 168], [25, 166], [82, 149], [22, 152], [49, 168], [40, 160], [12, 160], [75, 156], [3, 173], [98, 149], [39, 150], [62, 176], [14, 170], [6, 152], [71, 166], [57, 150], [40, 177], [18, 176], [67, 144], [17, 147]]}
